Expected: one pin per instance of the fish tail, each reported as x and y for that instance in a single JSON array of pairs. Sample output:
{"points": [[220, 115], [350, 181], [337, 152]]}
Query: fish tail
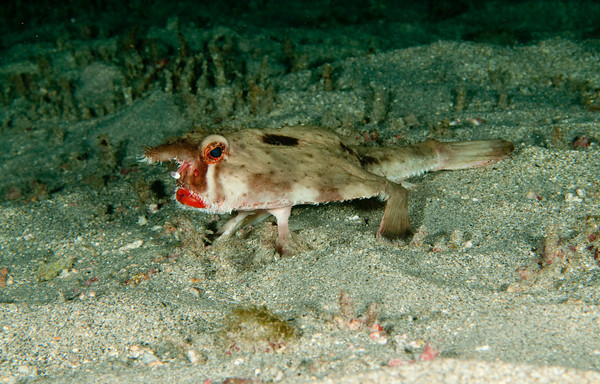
{"points": [[399, 163], [468, 154]]}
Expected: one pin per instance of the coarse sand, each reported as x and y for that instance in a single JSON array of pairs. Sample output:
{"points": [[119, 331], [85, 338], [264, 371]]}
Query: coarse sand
{"points": [[103, 279]]}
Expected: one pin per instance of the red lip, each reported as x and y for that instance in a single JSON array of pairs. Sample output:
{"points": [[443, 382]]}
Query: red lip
{"points": [[190, 199]]}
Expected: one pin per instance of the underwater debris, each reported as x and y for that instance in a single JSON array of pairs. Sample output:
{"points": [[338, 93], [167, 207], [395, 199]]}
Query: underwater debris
{"points": [[256, 328]]}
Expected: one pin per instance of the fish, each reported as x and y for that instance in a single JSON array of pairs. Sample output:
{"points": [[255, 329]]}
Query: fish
{"points": [[260, 172]]}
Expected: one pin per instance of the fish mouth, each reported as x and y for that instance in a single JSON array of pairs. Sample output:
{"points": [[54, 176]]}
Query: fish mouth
{"points": [[186, 197]]}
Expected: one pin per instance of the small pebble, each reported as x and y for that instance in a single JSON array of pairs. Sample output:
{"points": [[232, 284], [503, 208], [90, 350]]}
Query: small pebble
{"points": [[149, 359], [192, 357], [134, 245]]}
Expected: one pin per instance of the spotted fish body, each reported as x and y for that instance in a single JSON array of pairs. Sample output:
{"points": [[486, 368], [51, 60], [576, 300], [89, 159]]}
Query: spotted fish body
{"points": [[259, 172]]}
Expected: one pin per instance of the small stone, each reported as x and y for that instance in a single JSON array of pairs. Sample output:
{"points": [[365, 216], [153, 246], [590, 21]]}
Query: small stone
{"points": [[570, 198], [238, 361], [23, 370], [134, 245], [149, 359], [135, 351], [192, 357]]}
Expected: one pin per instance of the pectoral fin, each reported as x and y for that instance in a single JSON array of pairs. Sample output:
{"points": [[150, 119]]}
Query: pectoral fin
{"points": [[284, 237], [395, 223]]}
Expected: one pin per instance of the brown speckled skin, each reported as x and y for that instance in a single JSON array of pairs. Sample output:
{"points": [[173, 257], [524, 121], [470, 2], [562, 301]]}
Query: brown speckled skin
{"points": [[273, 170], [287, 174]]}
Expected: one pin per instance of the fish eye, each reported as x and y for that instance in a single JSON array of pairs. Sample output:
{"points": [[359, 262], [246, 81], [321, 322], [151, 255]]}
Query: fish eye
{"points": [[214, 152]]}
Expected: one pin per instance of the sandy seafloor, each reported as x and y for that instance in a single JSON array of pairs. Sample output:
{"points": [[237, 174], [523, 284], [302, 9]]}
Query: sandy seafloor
{"points": [[103, 279]]}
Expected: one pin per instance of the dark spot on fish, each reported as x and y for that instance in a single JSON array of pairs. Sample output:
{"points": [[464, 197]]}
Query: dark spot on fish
{"points": [[348, 149], [280, 140], [368, 160]]}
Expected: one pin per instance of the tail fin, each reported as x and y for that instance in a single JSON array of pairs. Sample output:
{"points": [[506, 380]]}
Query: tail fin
{"points": [[468, 154], [399, 163]]}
